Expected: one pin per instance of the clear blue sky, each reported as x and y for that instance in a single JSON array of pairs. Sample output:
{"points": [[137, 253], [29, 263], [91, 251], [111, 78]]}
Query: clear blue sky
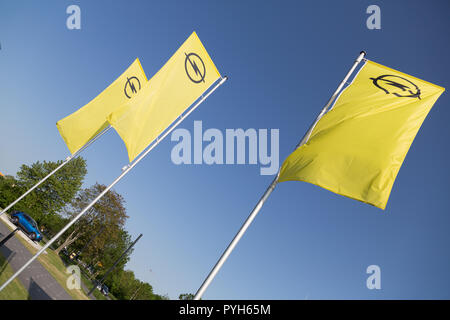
{"points": [[284, 59]]}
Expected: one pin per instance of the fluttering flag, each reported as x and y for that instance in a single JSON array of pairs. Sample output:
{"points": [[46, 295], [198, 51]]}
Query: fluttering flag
{"points": [[357, 148], [179, 83], [84, 124]]}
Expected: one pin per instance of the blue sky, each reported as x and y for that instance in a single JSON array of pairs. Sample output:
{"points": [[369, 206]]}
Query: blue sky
{"points": [[284, 59]]}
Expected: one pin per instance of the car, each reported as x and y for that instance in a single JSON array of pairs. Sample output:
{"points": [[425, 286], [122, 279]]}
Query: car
{"points": [[65, 252], [27, 224], [105, 290], [90, 269]]}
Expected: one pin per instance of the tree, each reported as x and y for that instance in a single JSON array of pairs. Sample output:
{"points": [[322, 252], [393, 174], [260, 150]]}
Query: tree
{"points": [[123, 285], [52, 195], [186, 296], [52, 223], [44, 202], [143, 292], [113, 249], [9, 190], [109, 212]]}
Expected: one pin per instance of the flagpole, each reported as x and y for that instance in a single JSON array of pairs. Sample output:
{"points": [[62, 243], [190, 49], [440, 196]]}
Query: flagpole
{"points": [[126, 169], [235, 240], [271, 187], [330, 101], [68, 159]]}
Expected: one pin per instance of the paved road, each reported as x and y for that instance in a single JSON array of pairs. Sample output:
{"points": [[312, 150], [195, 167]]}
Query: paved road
{"points": [[40, 284]]}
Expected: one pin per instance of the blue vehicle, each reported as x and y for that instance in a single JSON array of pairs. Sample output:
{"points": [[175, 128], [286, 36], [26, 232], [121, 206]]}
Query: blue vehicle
{"points": [[27, 224]]}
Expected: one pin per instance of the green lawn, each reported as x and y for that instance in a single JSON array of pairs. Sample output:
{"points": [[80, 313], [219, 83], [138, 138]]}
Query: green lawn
{"points": [[15, 290]]}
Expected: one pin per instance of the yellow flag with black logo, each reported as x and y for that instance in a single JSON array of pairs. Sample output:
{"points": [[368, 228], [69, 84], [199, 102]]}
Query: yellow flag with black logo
{"points": [[181, 81], [84, 124], [357, 148]]}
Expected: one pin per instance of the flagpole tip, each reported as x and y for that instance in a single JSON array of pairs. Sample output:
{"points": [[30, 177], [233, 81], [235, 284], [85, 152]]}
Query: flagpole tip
{"points": [[223, 79], [363, 52]]}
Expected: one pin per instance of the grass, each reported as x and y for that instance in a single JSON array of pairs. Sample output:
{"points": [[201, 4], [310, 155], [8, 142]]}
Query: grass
{"points": [[88, 283], [54, 265], [15, 290]]}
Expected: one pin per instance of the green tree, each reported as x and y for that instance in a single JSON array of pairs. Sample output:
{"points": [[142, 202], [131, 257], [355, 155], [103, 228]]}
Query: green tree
{"points": [[52, 223], [186, 296], [44, 203], [52, 195], [123, 285], [144, 291], [108, 212], [111, 250], [9, 190]]}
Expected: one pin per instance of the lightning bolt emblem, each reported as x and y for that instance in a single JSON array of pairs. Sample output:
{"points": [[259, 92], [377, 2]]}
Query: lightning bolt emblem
{"points": [[193, 63], [133, 89], [130, 84]]}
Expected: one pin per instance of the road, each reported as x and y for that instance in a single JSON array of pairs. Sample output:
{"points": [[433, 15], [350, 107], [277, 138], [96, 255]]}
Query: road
{"points": [[40, 284]]}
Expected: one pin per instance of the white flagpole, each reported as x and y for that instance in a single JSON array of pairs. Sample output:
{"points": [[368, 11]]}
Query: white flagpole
{"points": [[68, 159], [126, 169], [269, 190]]}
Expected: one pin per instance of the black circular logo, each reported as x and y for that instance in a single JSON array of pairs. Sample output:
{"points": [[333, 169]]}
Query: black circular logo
{"points": [[130, 86], [398, 86], [195, 68]]}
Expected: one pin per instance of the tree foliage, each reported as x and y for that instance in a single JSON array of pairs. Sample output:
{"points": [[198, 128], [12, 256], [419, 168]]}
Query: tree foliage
{"points": [[125, 286], [108, 213], [186, 296], [9, 190], [56, 192], [44, 202]]}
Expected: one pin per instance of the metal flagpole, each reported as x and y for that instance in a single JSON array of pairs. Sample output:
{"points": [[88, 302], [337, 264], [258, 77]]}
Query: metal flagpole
{"points": [[271, 187], [125, 169], [335, 94], [68, 159], [114, 265]]}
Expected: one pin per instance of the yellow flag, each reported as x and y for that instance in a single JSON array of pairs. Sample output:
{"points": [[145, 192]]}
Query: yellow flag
{"points": [[181, 81], [84, 124], [358, 147]]}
